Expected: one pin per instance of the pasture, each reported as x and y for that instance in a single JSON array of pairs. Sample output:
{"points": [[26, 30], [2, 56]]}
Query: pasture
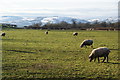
{"points": [[31, 54]]}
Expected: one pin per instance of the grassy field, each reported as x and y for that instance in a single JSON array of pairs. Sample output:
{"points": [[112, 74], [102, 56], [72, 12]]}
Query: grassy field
{"points": [[31, 54]]}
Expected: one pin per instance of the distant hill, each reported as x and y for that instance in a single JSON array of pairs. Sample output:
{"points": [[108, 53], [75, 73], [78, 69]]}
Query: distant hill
{"points": [[26, 21]]}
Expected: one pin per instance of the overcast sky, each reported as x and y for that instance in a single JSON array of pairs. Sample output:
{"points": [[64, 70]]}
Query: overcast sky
{"points": [[76, 8]]}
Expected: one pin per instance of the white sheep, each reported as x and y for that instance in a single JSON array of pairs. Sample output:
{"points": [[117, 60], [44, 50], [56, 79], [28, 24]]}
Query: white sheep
{"points": [[99, 52], [3, 34], [75, 34], [46, 32], [86, 43]]}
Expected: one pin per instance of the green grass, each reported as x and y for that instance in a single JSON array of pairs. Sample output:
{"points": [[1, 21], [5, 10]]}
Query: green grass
{"points": [[33, 54]]}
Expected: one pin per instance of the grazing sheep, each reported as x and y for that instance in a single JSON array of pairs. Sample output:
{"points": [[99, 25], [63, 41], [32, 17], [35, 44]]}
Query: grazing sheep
{"points": [[75, 34], [3, 34], [46, 32], [86, 43], [99, 52]]}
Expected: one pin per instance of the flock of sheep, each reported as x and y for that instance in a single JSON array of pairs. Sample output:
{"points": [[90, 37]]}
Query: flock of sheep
{"points": [[96, 53]]}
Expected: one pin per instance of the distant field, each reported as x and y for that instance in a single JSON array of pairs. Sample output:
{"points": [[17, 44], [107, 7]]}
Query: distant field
{"points": [[31, 54]]}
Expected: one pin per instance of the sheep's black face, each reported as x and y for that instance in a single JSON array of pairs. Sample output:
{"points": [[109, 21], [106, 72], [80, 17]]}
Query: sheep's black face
{"points": [[81, 46], [90, 59]]}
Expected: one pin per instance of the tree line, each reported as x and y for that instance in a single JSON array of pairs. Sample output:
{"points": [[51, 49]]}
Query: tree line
{"points": [[75, 25], [64, 25]]}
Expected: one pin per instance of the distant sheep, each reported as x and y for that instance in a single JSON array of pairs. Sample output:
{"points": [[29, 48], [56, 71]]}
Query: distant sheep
{"points": [[86, 43], [3, 34], [75, 34], [46, 32], [99, 52]]}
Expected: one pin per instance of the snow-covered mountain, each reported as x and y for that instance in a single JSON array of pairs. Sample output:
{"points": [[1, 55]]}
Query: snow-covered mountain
{"points": [[111, 20], [25, 21], [19, 21]]}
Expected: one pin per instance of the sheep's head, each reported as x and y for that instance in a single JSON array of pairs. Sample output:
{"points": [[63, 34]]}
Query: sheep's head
{"points": [[81, 45], [91, 58]]}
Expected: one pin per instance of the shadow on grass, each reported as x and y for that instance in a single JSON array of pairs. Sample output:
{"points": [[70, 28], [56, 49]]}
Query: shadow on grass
{"points": [[112, 62], [79, 78], [111, 49], [20, 51], [12, 40]]}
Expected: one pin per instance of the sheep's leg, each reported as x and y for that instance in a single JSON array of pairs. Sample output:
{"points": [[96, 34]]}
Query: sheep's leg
{"points": [[104, 59], [107, 58], [98, 59], [91, 46], [94, 59]]}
